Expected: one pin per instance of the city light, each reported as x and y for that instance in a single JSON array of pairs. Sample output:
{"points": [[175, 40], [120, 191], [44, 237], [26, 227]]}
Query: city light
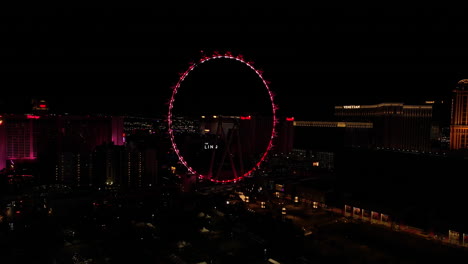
{"points": [[32, 117], [270, 260], [351, 106], [9, 212], [341, 124]]}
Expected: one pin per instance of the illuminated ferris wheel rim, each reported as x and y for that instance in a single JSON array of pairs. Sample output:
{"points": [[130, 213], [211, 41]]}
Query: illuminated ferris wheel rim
{"points": [[175, 89]]}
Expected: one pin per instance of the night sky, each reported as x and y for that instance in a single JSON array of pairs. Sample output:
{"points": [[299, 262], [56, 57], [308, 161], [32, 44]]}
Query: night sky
{"points": [[111, 60]]}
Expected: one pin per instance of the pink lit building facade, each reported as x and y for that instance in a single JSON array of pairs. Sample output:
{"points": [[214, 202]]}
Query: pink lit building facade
{"points": [[17, 139], [25, 138]]}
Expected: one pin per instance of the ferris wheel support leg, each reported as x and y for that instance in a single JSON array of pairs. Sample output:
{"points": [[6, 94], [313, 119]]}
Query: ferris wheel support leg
{"points": [[239, 149], [225, 153]]}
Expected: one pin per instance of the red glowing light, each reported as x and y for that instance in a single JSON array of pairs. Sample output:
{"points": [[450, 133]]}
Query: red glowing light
{"points": [[274, 109], [290, 119], [42, 106], [32, 117], [1, 122], [18, 212]]}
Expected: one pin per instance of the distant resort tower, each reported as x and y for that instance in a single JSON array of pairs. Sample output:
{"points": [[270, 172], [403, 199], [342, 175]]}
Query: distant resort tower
{"points": [[459, 116]]}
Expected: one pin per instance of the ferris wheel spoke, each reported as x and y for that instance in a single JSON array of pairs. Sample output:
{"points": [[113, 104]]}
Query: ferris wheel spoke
{"points": [[239, 150], [219, 133], [227, 151]]}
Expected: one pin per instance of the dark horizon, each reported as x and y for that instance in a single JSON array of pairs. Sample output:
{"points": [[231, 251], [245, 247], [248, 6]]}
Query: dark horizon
{"points": [[317, 107]]}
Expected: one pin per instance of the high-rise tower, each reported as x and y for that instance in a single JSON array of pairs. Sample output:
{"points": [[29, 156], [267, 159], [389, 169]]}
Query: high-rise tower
{"points": [[459, 116]]}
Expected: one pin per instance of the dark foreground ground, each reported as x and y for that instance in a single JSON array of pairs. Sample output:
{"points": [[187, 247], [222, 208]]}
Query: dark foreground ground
{"points": [[106, 227]]}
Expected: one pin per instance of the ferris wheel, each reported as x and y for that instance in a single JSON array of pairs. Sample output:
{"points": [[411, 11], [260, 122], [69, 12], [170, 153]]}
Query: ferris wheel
{"points": [[224, 148]]}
